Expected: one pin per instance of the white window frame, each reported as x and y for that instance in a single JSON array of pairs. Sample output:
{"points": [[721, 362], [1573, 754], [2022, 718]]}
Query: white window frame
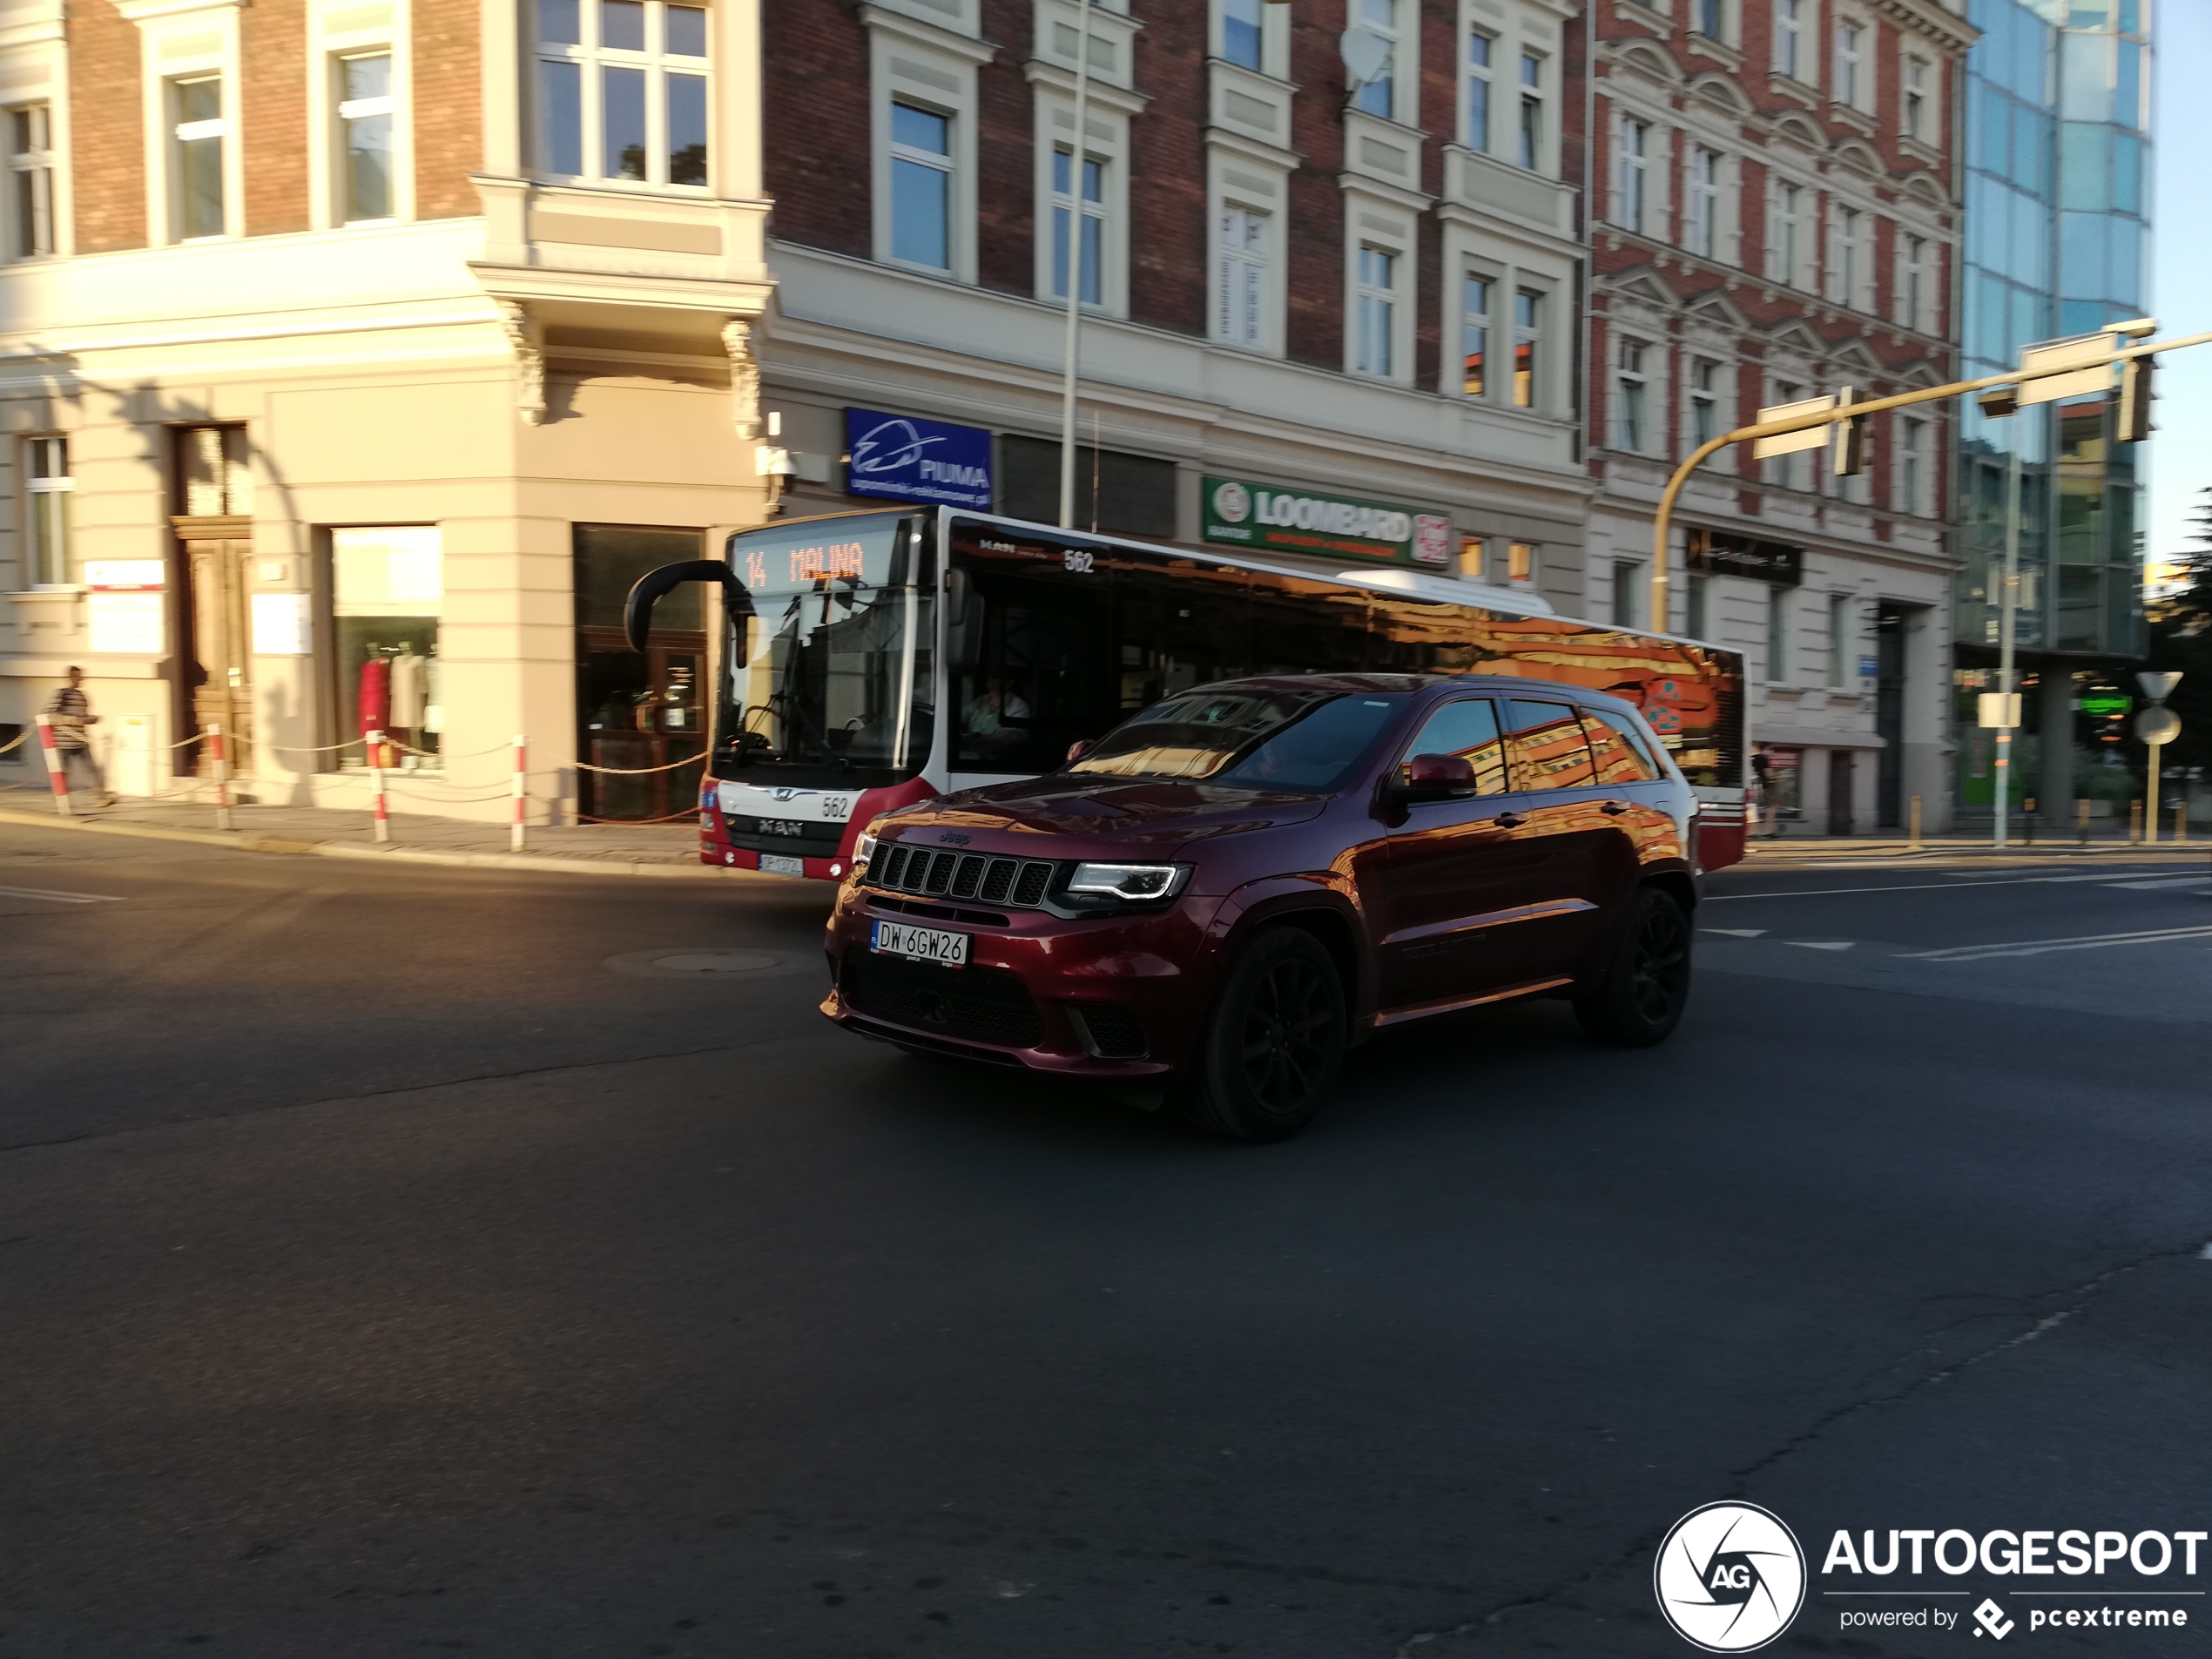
{"points": [[1371, 300], [1702, 411], [1776, 667], [1107, 143], [1915, 278], [1792, 223], [1404, 66], [902, 56], [1389, 227], [1917, 98], [1482, 138], [591, 59], [37, 571], [1699, 13], [327, 48], [1627, 593], [1274, 38], [1483, 329], [1235, 183], [181, 45], [1847, 260], [35, 169], [1531, 100], [1539, 336], [1707, 176], [1633, 403], [1797, 37], [1842, 641], [1852, 84], [1912, 470], [1798, 469], [1633, 140]]}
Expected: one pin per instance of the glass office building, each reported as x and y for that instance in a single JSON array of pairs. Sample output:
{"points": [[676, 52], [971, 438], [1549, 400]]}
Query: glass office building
{"points": [[2057, 243]]}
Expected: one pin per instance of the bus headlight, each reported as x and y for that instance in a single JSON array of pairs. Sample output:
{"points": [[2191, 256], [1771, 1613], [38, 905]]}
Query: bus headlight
{"points": [[1130, 881]]}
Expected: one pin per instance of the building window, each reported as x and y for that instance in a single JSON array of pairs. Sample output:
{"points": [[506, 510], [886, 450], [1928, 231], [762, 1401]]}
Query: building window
{"points": [[1479, 47], [1531, 154], [1631, 427], [387, 592], [1379, 95], [1789, 29], [1704, 400], [1849, 42], [364, 134], [1840, 640], [196, 160], [1625, 585], [1794, 471], [1705, 18], [1911, 465], [214, 472], [1094, 224], [1696, 605], [32, 157], [1912, 290], [1635, 173], [1474, 337], [922, 188], [1916, 99], [47, 463], [1377, 319], [1244, 32], [1704, 201], [622, 91], [1528, 334], [1790, 238], [1849, 256], [1777, 635], [1520, 564], [1241, 275]]}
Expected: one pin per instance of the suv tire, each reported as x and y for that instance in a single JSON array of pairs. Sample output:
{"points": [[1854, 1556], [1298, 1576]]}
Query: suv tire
{"points": [[1274, 1043], [1646, 986]]}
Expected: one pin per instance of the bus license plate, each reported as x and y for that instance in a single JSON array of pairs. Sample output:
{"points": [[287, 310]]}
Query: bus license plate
{"points": [[774, 864], [918, 944]]}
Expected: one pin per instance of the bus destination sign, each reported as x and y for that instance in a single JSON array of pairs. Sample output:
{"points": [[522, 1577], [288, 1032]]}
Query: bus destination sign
{"points": [[1258, 515]]}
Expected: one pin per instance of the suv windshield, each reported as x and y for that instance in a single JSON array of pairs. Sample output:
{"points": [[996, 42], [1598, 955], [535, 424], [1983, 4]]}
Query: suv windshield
{"points": [[1301, 742]]}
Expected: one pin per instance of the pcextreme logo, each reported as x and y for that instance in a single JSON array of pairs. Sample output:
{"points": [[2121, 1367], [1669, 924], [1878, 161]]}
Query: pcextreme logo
{"points": [[1730, 1577]]}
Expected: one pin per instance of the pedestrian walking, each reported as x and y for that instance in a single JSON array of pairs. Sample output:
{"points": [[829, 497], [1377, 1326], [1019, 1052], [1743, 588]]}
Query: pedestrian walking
{"points": [[70, 712]]}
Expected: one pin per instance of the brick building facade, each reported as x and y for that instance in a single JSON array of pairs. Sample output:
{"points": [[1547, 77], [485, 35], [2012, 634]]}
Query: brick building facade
{"points": [[1775, 217]]}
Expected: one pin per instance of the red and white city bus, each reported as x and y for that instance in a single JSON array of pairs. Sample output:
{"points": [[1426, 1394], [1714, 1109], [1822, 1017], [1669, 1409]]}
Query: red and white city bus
{"points": [[875, 658]]}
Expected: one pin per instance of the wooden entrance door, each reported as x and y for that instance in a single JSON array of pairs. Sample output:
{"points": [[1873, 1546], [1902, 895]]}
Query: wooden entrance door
{"points": [[1839, 792], [219, 658]]}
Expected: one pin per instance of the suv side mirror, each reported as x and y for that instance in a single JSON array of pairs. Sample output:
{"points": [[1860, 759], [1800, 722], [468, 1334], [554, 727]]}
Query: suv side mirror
{"points": [[1437, 778], [1080, 747]]}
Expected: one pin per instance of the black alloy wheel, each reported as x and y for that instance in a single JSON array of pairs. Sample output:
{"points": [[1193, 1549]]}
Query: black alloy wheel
{"points": [[1275, 1042], [1646, 984]]}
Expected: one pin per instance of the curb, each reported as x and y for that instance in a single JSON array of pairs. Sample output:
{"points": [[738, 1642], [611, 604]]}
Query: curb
{"points": [[294, 845]]}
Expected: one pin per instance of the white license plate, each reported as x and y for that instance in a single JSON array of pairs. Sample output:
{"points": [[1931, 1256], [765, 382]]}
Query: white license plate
{"points": [[776, 864], [918, 944]]}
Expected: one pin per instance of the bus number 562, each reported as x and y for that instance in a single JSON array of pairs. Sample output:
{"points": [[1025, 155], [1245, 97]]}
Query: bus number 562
{"points": [[1078, 561]]}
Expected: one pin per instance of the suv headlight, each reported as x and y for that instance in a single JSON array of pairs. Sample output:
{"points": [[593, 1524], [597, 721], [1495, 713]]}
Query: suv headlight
{"points": [[1135, 883], [864, 849]]}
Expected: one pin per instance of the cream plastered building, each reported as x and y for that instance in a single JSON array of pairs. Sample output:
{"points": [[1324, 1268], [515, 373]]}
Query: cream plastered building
{"points": [[334, 331]]}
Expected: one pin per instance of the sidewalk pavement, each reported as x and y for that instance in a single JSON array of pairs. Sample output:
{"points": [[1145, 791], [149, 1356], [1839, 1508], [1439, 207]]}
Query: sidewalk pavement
{"points": [[669, 850], [1771, 851]]}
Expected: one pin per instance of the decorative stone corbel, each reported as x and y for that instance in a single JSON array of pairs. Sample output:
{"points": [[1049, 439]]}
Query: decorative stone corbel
{"points": [[745, 379], [528, 339]]}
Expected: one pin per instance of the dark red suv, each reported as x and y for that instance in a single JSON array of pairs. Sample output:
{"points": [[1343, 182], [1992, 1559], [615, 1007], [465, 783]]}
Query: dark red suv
{"points": [[1212, 901]]}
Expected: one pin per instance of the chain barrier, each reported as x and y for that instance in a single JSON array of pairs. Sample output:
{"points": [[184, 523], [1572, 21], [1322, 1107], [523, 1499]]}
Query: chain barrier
{"points": [[15, 742], [641, 772]]}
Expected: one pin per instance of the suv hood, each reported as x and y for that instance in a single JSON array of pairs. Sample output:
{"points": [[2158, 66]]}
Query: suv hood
{"points": [[1107, 814]]}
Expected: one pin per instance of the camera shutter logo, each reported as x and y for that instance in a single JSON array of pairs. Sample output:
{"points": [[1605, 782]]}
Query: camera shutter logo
{"points": [[1730, 1577], [1233, 501]]}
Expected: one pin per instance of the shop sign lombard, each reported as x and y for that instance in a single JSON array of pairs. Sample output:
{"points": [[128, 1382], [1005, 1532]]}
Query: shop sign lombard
{"points": [[1294, 521], [906, 459]]}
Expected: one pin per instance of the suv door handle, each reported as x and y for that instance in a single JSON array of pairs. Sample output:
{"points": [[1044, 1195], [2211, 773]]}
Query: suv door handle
{"points": [[1615, 807], [1509, 820]]}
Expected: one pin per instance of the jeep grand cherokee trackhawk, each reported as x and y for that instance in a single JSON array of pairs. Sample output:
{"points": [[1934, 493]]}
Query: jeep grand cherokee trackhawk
{"points": [[1217, 897]]}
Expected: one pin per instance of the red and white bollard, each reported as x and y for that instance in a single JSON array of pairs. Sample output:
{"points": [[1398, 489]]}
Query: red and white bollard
{"points": [[220, 765], [376, 786], [56, 774], [518, 836]]}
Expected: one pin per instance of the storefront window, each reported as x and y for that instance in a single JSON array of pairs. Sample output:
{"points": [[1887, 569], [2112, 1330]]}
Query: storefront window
{"points": [[388, 590], [635, 712]]}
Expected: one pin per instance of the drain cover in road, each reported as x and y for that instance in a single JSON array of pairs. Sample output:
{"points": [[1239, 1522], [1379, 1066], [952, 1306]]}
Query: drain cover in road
{"points": [[705, 963]]}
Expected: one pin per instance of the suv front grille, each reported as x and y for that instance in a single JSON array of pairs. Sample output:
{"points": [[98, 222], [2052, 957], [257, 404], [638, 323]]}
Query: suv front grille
{"points": [[1020, 883], [982, 1004]]}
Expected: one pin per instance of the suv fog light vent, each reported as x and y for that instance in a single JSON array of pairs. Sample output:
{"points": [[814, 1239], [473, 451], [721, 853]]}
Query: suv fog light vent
{"points": [[1110, 1032]]}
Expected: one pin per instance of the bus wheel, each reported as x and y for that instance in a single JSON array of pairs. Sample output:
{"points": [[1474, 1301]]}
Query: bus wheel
{"points": [[1646, 984], [1275, 1042]]}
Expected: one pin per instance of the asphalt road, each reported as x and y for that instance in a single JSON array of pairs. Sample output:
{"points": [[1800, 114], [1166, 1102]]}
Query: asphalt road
{"points": [[383, 1272]]}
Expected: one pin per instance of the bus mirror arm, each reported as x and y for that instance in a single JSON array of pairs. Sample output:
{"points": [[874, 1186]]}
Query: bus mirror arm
{"points": [[654, 586]]}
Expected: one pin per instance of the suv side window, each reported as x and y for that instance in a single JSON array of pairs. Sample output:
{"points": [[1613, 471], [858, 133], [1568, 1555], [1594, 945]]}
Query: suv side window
{"points": [[1620, 757], [1468, 727], [1546, 745]]}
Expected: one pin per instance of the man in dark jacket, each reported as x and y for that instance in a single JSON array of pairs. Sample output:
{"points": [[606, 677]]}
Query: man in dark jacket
{"points": [[70, 713]]}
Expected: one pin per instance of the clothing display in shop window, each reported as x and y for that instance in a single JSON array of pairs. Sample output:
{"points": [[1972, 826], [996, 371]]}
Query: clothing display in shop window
{"points": [[433, 688], [409, 691], [375, 695]]}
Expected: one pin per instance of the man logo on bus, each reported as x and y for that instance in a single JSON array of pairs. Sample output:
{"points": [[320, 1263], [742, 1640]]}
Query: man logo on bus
{"points": [[1233, 501], [1730, 1577]]}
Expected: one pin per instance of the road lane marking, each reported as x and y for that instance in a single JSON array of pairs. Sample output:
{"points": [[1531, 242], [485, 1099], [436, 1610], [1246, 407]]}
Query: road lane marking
{"points": [[1818, 944], [2166, 883], [2040, 946], [1933, 887], [1738, 932], [60, 898]]}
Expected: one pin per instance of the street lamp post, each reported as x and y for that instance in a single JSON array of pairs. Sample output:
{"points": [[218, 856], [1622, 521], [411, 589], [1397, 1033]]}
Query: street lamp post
{"points": [[2007, 626], [2157, 726]]}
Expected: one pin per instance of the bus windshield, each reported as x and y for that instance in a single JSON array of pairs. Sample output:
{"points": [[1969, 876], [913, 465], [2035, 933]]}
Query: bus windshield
{"points": [[830, 663]]}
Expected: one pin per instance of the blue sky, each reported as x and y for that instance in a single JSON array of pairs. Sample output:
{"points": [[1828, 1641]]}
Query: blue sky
{"points": [[2181, 453]]}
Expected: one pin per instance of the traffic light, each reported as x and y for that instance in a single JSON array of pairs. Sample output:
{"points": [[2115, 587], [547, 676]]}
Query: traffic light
{"points": [[1851, 438], [2133, 424]]}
